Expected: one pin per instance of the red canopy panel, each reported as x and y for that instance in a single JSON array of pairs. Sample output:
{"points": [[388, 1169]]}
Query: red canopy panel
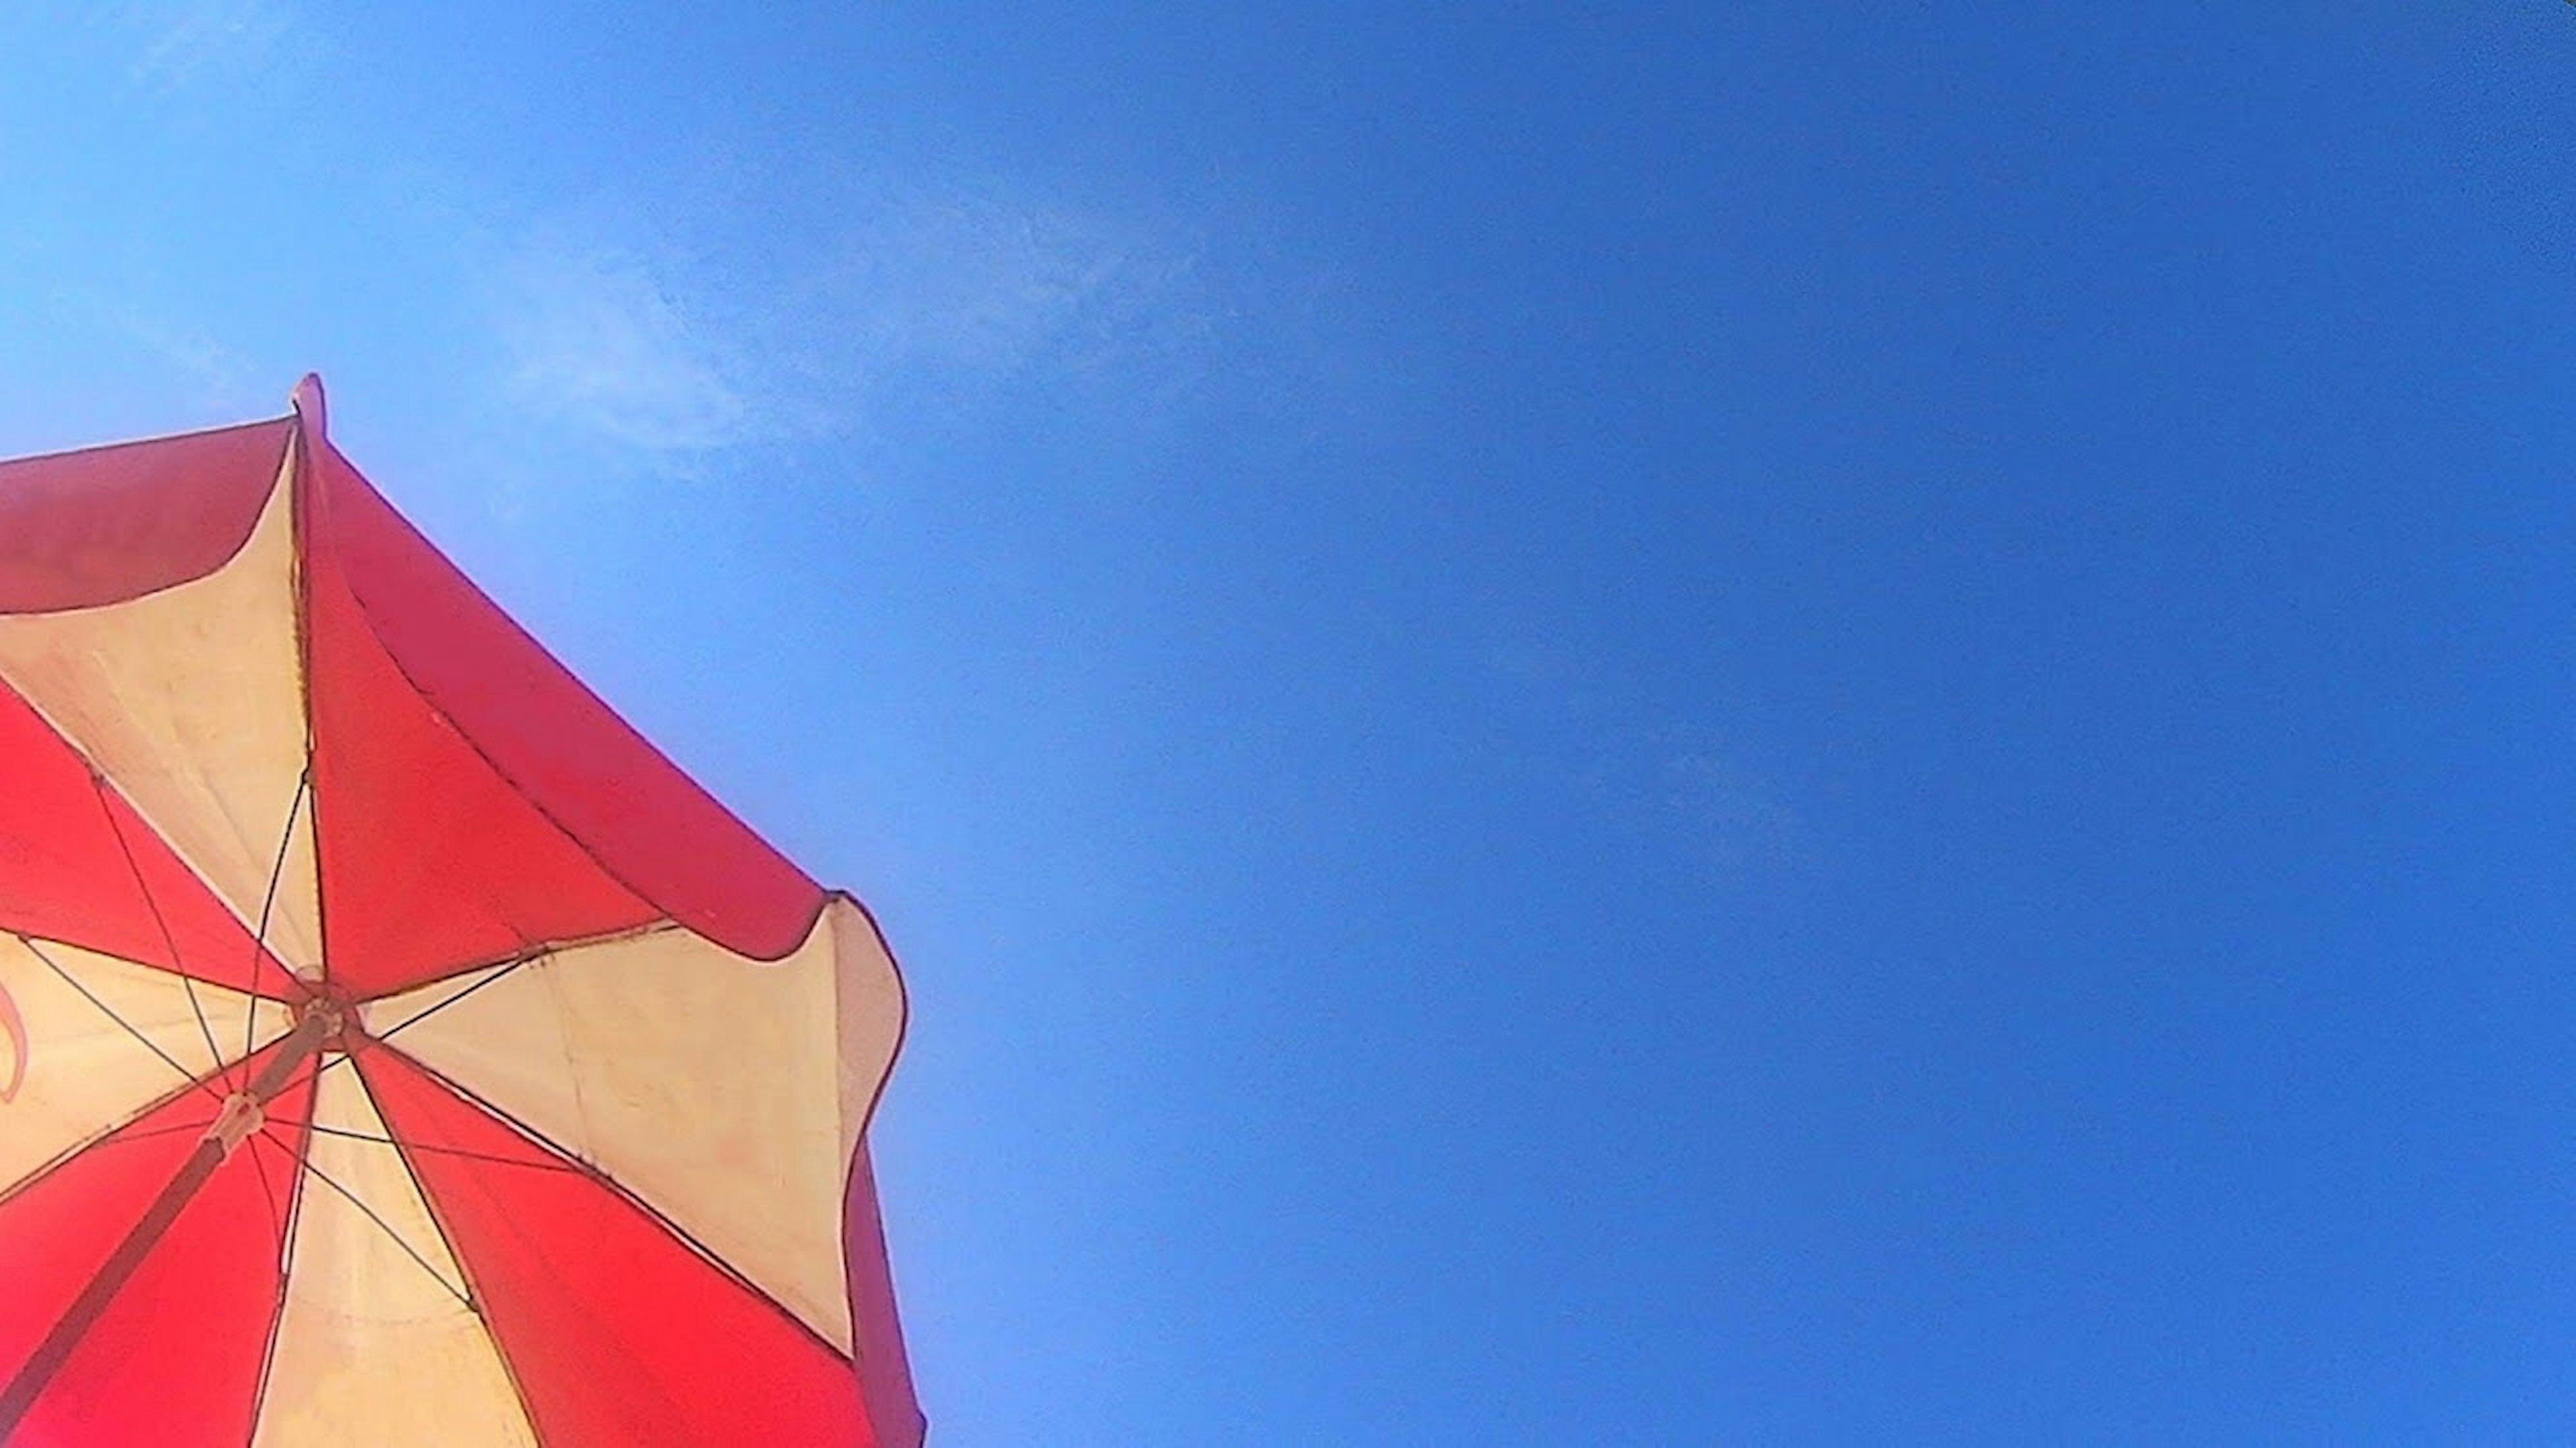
{"points": [[431, 860], [107, 524], [884, 1368], [388, 613]]}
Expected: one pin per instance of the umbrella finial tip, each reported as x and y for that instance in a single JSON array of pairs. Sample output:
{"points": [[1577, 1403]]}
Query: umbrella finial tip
{"points": [[307, 398]]}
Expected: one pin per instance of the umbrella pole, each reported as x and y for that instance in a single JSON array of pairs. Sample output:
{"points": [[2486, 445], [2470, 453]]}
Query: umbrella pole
{"points": [[240, 1117]]}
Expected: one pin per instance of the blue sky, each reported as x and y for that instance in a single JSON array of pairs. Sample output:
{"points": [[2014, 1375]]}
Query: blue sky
{"points": [[1848, 723]]}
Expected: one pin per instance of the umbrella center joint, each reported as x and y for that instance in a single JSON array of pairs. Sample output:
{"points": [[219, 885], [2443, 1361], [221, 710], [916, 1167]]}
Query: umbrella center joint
{"points": [[335, 1023], [234, 1124]]}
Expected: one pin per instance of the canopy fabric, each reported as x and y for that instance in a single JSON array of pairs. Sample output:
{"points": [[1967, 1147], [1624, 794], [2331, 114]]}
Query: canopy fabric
{"points": [[535, 1082]]}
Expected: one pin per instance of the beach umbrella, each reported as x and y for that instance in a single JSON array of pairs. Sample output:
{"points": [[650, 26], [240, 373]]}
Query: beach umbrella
{"points": [[394, 1047]]}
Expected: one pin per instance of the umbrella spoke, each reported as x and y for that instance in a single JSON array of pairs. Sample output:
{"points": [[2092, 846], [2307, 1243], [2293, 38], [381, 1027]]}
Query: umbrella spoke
{"points": [[200, 1082], [268, 1191], [409, 1146], [276, 871], [169, 942], [352, 1198], [122, 1137], [409, 1021]]}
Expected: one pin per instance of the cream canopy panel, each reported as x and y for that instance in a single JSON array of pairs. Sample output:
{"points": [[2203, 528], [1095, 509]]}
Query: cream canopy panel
{"points": [[377, 1343], [191, 702]]}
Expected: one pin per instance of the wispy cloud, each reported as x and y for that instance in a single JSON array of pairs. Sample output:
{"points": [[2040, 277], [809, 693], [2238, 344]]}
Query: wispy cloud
{"points": [[214, 378], [887, 308], [978, 288], [164, 51], [595, 339], [182, 42]]}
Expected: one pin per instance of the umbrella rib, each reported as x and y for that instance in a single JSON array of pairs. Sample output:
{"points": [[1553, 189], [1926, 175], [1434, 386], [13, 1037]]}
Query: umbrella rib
{"points": [[119, 1138], [410, 1251], [464, 1271], [169, 942], [455, 1151], [269, 1193], [285, 1277], [528, 950], [200, 1082], [268, 902], [407, 1022]]}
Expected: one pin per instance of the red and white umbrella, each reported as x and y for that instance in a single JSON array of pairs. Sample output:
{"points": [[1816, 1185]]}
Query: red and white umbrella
{"points": [[395, 1049]]}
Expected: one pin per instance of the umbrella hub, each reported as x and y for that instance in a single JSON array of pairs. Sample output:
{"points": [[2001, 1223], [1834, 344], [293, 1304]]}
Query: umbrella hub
{"points": [[234, 1124], [334, 1019]]}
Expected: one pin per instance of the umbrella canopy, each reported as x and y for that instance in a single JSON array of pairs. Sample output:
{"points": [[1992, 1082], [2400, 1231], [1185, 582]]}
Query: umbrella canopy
{"points": [[394, 1047]]}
